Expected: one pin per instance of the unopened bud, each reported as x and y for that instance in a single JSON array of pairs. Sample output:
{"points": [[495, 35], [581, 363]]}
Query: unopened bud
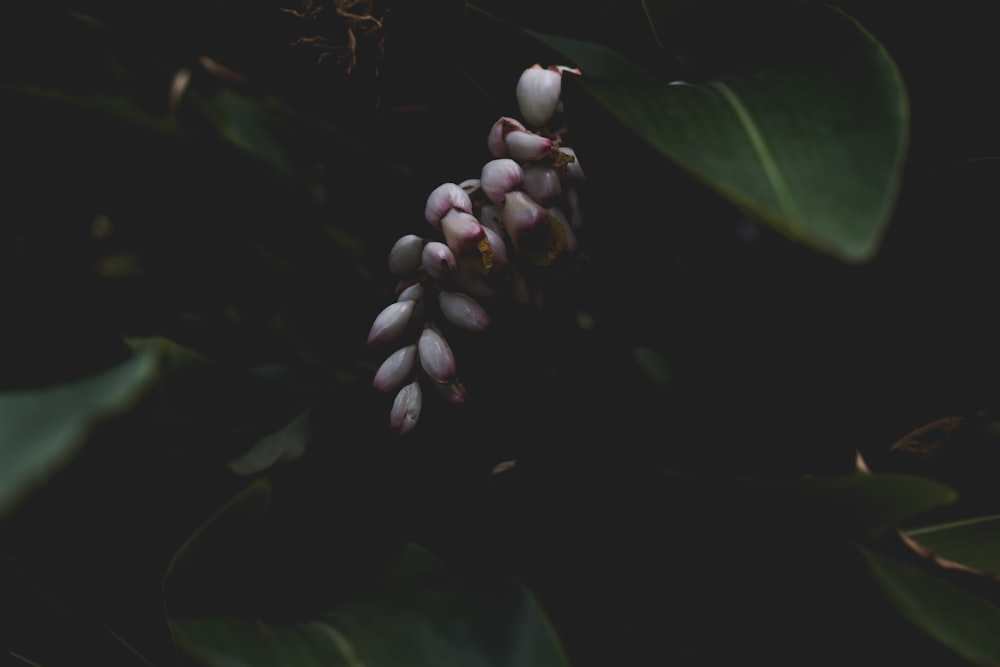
{"points": [[463, 311], [541, 182], [391, 322], [499, 177], [461, 231], [405, 255], [444, 198], [524, 146], [538, 92], [438, 260], [436, 356], [406, 408], [396, 369]]}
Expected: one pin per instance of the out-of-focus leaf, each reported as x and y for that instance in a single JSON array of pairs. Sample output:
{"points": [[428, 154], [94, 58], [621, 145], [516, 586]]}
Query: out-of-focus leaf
{"points": [[813, 145], [653, 364], [967, 624], [422, 618], [286, 444], [415, 613], [973, 542], [853, 504], [42, 429]]}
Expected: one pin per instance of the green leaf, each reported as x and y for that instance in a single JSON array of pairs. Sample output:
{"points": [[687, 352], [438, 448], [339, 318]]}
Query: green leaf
{"points": [[974, 542], [967, 624], [414, 613], [41, 430], [812, 145]]}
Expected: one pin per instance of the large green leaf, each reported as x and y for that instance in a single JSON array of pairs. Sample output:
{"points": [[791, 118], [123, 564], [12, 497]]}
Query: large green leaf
{"points": [[967, 624], [812, 144], [415, 613], [42, 429], [974, 542]]}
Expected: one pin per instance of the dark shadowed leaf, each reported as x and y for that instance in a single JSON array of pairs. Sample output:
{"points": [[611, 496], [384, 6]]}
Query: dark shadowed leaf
{"points": [[851, 504], [974, 542], [414, 613], [813, 144], [966, 623], [42, 429]]}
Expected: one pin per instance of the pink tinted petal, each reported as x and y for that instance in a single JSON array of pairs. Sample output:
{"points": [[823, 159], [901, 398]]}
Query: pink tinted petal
{"points": [[461, 231], [396, 369], [453, 392], [438, 260], [521, 213], [498, 247], [500, 177], [542, 183], [444, 198], [405, 255], [560, 217], [406, 408], [463, 311], [436, 356], [523, 146], [391, 322]]}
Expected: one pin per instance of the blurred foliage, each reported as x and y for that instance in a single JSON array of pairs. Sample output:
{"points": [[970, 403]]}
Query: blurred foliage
{"points": [[198, 205]]}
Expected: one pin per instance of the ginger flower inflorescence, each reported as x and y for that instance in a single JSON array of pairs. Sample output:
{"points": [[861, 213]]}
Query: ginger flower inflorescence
{"points": [[487, 238]]}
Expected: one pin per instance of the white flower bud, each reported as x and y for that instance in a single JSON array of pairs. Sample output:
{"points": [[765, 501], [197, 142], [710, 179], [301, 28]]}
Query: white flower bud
{"points": [[461, 231], [496, 141], [470, 185], [499, 248], [463, 311], [405, 255], [538, 92], [520, 214], [391, 322], [406, 408], [541, 182], [571, 171], [436, 356], [444, 198], [438, 260], [499, 177], [414, 292], [396, 369], [525, 146]]}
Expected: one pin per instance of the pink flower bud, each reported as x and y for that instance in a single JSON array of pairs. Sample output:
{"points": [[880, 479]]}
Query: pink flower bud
{"points": [[534, 232], [538, 92], [571, 170], [391, 322], [498, 248], [405, 255], [463, 311], [406, 408], [438, 260], [521, 214], [469, 185], [414, 292], [453, 392], [541, 182], [525, 146], [500, 177], [436, 356], [496, 141], [396, 369], [461, 231], [444, 198]]}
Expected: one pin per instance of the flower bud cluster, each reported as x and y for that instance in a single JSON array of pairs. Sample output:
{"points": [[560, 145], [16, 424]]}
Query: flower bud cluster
{"points": [[488, 237]]}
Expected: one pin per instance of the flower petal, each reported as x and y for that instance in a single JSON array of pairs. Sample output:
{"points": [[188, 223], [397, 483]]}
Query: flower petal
{"points": [[444, 198], [405, 255], [396, 369], [463, 311], [406, 408], [391, 322], [436, 356]]}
